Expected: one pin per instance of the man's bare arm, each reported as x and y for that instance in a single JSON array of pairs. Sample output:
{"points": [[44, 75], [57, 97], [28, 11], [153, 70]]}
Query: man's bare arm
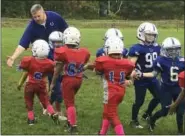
{"points": [[19, 50]]}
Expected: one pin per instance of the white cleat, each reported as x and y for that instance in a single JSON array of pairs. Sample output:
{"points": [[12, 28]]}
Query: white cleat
{"points": [[44, 111], [62, 118], [135, 124], [139, 126]]}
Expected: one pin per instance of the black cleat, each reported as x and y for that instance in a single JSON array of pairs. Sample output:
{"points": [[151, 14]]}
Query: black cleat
{"points": [[135, 124], [73, 130], [145, 116], [31, 122], [55, 119]]}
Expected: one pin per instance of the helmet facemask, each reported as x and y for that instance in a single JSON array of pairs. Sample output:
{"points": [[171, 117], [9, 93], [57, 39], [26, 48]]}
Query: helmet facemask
{"points": [[172, 52], [56, 44]]}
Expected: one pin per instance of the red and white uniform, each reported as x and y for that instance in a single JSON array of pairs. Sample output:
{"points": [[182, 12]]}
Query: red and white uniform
{"points": [[73, 60], [114, 73], [37, 69]]}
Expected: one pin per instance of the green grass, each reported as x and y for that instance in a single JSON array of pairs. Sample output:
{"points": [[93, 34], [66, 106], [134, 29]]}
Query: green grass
{"points": [[88, 99]]}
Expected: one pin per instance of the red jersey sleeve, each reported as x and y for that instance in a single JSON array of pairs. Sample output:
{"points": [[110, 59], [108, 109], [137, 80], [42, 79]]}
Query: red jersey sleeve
{"points": [[99, 63], [59, 54], [25, 62], [87, 56], [181, 79]]}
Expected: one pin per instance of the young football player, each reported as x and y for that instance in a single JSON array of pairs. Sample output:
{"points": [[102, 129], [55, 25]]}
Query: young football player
{"points": [[109, 33], [37, 67], [56, 41], [70, 60], [142, 55], [114, 69], [169, 65]]}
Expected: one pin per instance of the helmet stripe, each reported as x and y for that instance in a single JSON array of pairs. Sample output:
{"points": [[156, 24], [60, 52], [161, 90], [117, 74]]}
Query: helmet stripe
{"points": [[153, 27], [173, 42], [116, 32]]}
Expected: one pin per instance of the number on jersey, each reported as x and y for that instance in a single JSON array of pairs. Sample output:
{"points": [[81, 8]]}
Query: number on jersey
{"points": [[150, 57], [122, 77], [174, 74], [72, 69], [38, 75]]}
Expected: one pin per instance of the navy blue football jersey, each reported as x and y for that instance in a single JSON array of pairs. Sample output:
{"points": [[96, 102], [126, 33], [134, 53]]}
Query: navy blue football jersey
{"points": [[169, 69], [101, 52], [146, 56]]}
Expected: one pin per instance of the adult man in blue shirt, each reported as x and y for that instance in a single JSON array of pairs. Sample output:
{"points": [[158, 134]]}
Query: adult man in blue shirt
{"points": [[43, 23], [40, 27]]}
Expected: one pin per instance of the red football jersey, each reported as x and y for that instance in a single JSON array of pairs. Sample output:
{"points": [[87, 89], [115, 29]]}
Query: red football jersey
{"points": [[37, 69], [181, 79], [114, 71], [73, 59]]}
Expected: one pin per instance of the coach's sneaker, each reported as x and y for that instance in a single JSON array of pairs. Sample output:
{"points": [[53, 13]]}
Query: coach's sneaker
{"points": [[145, 116], [54, 117], [135, 124], [31, 122], [73, 130]]}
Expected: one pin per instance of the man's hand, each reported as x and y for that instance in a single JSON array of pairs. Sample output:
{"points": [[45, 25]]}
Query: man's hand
{"points": [[19, 50], [10, 61]]}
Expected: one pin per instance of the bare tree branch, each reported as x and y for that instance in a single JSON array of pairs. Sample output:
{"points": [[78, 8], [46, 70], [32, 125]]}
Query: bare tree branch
{"points": [[119, 7]]}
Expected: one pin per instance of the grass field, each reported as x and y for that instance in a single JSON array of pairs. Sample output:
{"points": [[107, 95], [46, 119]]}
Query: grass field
{"points": [[88, 100]]}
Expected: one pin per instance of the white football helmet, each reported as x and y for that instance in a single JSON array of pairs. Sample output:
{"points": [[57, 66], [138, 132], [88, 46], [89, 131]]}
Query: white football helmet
{"points": [[55, 39], [171, 47], [40, 49], [113, 32], [147, 33], [72, 36], [113, 45]]}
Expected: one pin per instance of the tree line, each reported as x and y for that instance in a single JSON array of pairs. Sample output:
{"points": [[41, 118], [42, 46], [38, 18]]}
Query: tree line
{"points": [[102, 9]]}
